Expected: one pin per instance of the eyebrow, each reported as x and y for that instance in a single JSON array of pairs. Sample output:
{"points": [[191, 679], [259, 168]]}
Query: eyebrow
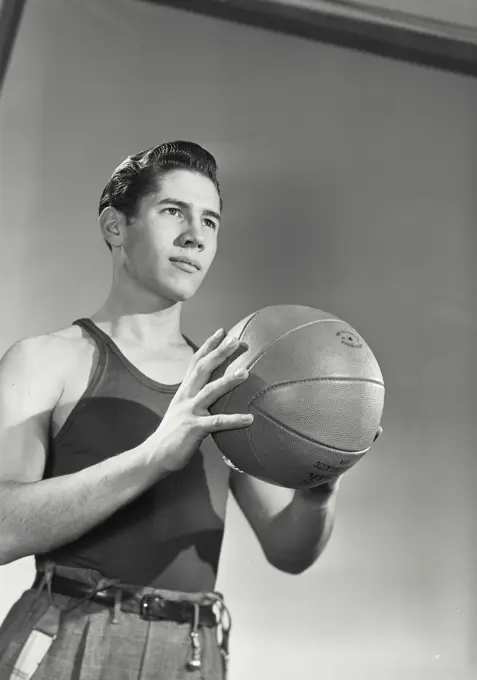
{"points": [[187, 206]]}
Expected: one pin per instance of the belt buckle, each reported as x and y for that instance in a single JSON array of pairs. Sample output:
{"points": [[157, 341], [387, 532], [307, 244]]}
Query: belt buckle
{"points": [[150, 606]]}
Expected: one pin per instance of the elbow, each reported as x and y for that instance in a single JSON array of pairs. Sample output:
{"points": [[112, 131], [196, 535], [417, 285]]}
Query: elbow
{"points": [[296, 560], [291, 568], [291, 564]]}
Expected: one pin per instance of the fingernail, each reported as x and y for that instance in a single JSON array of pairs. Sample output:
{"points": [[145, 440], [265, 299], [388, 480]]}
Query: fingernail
{"points": [[247, 418], [218, 333], [240, 373]]}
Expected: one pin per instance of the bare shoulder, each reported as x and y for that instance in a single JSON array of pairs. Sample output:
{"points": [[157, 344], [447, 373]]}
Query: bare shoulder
{"points": [[73, 343], [35, 376], [32, 380], [42, 359], [38, 352]]}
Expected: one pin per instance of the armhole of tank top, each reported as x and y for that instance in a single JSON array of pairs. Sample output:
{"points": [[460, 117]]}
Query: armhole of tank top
{"points": [[98, 373], [190, 343]]}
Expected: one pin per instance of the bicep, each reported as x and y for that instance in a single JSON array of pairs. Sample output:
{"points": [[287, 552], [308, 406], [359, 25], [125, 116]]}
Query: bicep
{"points": [[28, 393]]}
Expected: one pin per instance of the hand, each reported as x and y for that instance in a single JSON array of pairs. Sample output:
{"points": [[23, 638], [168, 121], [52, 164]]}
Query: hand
{"points": [[187, 421], [321, 494]]}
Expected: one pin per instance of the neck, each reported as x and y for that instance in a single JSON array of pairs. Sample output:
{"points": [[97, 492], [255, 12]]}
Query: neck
{"points": [[141, 318]]}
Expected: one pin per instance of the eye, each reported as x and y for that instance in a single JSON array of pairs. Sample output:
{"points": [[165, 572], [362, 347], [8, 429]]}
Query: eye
{"points": [[174, 212], [210, 223]]}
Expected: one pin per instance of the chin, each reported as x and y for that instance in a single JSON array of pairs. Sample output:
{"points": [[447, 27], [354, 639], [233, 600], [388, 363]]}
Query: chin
{"points": [[181, 296], [173, 288], [177, 293]]}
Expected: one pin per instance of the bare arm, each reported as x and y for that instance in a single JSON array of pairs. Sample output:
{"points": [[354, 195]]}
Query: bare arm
{"points": [[38, 515], [293, 527]]}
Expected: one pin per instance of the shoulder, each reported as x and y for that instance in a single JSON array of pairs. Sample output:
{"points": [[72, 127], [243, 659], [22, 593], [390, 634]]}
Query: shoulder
{"points": [[47, 358]]}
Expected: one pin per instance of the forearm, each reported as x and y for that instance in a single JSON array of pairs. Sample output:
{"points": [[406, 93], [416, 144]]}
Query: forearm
{"points": [[39, 516], [299, 534]]}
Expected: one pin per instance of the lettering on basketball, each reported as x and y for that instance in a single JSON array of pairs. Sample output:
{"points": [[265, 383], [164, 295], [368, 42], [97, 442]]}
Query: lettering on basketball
{"points": [[313, 477], [326, 467], [323, 467], [344, 462], [350, 339]]}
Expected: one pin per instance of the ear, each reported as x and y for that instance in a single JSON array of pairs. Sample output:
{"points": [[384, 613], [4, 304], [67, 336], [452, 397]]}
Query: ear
{"points": [[113, 226]]}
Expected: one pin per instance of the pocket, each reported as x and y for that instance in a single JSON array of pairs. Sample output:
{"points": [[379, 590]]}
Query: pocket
{"points": [[212, 662], [7, 659], [16, 627]]}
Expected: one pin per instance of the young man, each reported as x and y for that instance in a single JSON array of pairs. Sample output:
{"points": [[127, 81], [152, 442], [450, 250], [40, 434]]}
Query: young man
{"points": [[107, 475]]}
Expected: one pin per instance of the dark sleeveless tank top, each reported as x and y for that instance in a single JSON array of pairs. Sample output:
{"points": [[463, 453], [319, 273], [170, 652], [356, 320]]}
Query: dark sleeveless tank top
{"points": [[171, 535]]}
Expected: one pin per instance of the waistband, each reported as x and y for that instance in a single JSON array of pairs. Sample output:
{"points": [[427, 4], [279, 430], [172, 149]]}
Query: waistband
{"points": [[153, 604], [97, 581]]}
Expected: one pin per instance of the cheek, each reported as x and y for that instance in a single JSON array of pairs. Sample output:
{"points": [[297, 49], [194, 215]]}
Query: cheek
{"points": [[148, 244], [143, 261], [212, 246]]}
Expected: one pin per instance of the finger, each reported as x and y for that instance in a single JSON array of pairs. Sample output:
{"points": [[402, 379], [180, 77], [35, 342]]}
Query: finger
{"points": [[206, 364], [209, 345], [241, 349], [217, 388], [223, 421], [230, 363], [223, 355]]}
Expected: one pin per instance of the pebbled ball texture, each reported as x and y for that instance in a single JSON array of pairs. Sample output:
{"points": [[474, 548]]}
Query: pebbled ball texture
{"points": [[316, 392]]}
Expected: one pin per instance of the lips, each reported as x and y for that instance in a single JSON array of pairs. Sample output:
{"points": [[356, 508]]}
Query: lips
{"points": [[186, 260]]}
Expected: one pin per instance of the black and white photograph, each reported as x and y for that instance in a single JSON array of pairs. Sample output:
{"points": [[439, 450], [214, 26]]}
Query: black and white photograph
{"points": [[237, 339]]}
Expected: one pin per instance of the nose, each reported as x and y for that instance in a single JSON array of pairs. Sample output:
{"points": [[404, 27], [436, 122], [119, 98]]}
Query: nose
{"points": [[192, 236]]}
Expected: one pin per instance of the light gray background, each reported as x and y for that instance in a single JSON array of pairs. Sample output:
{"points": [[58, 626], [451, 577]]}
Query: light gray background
{"points": [[349, 185]]}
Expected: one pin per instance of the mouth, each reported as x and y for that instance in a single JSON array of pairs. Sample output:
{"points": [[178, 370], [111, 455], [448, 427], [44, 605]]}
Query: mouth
{"points": [[186, 263]]}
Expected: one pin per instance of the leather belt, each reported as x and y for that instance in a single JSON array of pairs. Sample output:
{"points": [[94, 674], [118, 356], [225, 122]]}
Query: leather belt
{"points": [[152, 606]]}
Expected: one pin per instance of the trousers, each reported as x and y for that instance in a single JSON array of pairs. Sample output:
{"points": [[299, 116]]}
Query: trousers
{"points": [[94, 642]]}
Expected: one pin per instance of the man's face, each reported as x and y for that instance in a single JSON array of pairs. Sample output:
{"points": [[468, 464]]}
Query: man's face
{"points": [[180, 221]]}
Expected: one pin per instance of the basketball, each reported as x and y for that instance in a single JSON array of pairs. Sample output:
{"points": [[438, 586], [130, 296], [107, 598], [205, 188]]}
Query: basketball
{"points": [[315, 390]]}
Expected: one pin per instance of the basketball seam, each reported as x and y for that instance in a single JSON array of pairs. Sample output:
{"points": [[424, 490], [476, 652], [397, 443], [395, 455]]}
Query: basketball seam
{"points": [[289, 429], [254, 360], [292, 330], [305, 381], [252, 317]]}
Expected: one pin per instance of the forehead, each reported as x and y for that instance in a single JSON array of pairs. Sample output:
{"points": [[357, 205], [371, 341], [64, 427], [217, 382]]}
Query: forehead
{"points": [[189, 187]]}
